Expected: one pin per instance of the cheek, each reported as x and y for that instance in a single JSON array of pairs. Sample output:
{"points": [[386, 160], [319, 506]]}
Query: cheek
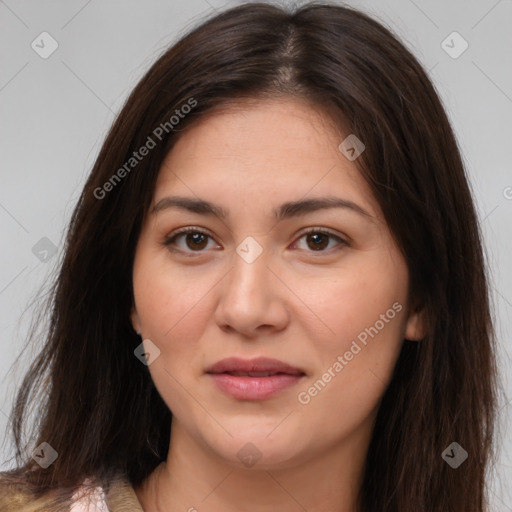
{"points": [[355, 303], [170, 302], [356, 364], [365, 309], [172, 308], [163, 292], [166, 308]]}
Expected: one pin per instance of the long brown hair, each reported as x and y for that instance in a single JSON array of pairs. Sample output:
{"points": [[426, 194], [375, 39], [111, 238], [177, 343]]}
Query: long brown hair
{"points": [[101, 411]]}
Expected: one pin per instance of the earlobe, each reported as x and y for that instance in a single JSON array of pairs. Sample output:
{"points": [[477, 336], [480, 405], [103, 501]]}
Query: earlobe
{"points": [[416, 328], [134, 316]]}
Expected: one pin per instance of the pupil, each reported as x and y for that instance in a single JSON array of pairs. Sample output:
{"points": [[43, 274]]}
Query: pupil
{"points": [[195, 239], [318, 241]]}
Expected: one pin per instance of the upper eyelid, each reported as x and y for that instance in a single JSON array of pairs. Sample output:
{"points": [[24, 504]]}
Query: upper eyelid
{"points": [[305, 231]]}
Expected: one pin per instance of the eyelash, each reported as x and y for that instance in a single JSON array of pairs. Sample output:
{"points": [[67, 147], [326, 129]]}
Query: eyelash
{"points": [[191, 229]]}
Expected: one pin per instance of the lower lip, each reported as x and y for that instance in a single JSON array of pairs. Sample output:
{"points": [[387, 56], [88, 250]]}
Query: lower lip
{"points": [[254, 388]]}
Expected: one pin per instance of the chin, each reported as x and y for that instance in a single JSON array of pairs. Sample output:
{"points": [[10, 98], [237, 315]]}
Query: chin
{"points": [[257, 450]]}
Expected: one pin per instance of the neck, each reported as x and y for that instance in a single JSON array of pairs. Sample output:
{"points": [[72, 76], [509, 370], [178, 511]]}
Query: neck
{"points": [[196, 479]]}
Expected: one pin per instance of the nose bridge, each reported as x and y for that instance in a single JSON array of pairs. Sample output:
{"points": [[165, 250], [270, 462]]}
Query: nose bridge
{"points": [[248, 297], [250, 272]]}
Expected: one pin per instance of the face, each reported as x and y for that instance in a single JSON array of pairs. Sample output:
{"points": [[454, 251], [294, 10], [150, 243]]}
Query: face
{"points": [[264, 242]]}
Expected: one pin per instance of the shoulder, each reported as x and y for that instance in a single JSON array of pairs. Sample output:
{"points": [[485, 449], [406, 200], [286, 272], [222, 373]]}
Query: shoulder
{"points": [[14, 493], [117, 495], [17, 495], [120, 495]]}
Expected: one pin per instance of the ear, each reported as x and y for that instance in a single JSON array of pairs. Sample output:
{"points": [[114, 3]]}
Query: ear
{"points": [[416, 328], [134, 316]]}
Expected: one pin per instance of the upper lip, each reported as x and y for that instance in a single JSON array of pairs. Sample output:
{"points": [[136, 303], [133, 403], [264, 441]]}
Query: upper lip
{"points": [[260, 364]]}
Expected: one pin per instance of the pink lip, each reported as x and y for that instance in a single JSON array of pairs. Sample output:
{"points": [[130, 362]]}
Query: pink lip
{"points": [[253, 387]]}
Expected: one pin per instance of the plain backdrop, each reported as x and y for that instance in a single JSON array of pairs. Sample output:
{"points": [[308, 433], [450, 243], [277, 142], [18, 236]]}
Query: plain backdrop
{"points": [[55, 112]]}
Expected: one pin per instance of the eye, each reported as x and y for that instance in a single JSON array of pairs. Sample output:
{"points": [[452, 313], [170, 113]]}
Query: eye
{"points": [[193, 240], [317, 240], [196, 240]]}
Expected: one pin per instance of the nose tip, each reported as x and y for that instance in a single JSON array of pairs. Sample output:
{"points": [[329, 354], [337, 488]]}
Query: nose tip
{"points": [[251, 301]]}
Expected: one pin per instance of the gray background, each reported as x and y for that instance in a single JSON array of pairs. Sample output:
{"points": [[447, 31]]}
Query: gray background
{"points": [[55, 113]]}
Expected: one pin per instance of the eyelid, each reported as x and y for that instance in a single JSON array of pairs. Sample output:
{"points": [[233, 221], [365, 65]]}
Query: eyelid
{"points": [[169, 239], [343, 240], [196, 229], [190, 229], [326, 231]]}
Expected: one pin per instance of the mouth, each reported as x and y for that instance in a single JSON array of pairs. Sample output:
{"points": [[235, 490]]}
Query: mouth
{"points": [[256, 374], [259, 367], [254, 379]]}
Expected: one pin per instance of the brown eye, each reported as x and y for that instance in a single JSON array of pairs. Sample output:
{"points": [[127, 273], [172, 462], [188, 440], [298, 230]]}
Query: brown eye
{"points": [[196, 241], [317, 241], [188, 240]]}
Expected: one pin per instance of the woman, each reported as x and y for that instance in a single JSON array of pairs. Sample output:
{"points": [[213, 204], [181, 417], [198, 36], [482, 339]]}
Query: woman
{"points": [[273, 293]]}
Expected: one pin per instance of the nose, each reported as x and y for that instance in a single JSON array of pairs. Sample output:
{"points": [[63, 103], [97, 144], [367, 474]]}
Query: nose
{"points": [[252, 300]]}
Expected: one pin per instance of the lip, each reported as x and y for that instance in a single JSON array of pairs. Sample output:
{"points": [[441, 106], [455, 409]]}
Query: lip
{"points": [[253, 387]]}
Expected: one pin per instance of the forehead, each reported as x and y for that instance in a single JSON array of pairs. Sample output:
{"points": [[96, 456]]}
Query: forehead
{"points": [[262, 148], [259, 130]]}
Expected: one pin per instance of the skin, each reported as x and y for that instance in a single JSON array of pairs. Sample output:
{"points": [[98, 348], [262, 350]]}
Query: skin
{"points": [[199, 301]]}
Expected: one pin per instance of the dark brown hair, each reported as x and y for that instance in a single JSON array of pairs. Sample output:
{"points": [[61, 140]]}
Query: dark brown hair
{"points": [[101, 411]]}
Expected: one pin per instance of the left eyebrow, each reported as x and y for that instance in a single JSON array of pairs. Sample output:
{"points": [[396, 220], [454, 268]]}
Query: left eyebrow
{"points": [[285, 211], [302, 207]]}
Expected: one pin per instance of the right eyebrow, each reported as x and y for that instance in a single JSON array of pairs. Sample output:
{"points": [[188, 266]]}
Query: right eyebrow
{"points": [[190, 204]]}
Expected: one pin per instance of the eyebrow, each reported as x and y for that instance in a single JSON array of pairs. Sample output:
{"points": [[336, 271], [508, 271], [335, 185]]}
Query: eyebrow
{"points": [[285, 211]]}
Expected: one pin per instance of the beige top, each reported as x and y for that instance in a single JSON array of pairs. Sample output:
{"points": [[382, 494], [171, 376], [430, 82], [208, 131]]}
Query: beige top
{"points": [[117, 496]]}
